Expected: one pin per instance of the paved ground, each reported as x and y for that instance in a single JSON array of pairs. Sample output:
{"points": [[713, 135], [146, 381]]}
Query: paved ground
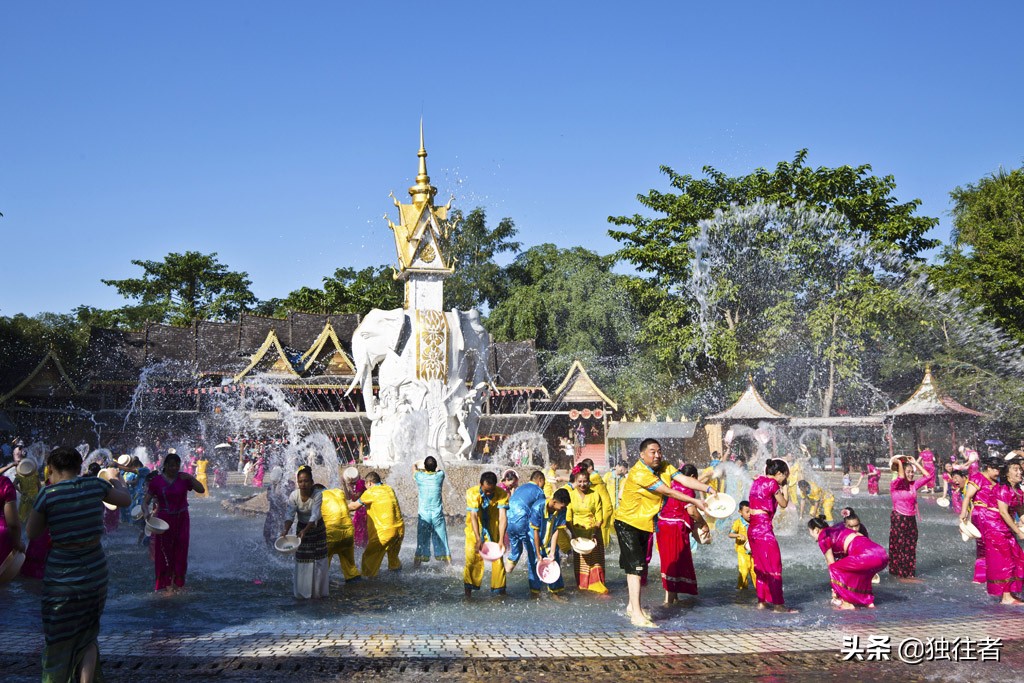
{"points": [[778, 654]]}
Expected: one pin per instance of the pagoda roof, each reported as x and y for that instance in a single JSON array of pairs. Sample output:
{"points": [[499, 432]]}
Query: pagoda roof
{"points": [[513, 365], [327, 349], [271, 358], [47, 379], [750, 406], [578, 387], [926, 401]]}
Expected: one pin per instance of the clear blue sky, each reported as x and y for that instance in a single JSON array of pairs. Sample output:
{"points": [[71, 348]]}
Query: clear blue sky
{"points": [[271, 133]]}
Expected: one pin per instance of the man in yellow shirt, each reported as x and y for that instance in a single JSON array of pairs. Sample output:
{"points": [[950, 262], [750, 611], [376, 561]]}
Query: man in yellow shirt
{"points": [[340, 532], [384, 526], [820, 500], [486, 520], [642, 496]]}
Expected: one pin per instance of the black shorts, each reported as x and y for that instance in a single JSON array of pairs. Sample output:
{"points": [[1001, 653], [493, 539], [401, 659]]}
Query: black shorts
{"points": [[632, 548]]}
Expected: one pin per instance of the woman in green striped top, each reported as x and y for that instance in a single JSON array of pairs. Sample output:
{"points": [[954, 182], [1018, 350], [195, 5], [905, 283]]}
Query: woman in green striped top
{"points": [[75, 582]]}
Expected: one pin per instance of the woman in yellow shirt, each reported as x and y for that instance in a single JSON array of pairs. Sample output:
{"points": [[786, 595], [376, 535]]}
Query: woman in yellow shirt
{"points": [[584, 517]]}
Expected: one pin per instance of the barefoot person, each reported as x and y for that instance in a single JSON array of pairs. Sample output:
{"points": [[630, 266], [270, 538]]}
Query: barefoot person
{"points": [[744, 561], [767, 494], [584, 518], [676, 525], [75, 582], [385, 528], [861, 559], [170, 490], [903, 520], [430, 526], [534, 524], [311, 578], [486, 520], [646, 487], [991, 500]]}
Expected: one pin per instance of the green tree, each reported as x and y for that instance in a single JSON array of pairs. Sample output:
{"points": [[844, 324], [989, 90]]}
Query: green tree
{"points": [[660, 246], [347, 291], [792, 293], [185, 288], [478, 281], [572, 304], [983, 260]]}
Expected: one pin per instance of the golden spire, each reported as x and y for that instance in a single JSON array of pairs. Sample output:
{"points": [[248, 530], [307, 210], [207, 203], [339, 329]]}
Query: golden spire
{"points": [[422, 192]]}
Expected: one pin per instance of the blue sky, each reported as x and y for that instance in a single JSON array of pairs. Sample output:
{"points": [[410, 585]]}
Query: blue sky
{"points": [[271, 133]]}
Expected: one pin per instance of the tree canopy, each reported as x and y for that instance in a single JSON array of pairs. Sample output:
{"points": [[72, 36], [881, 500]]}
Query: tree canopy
{"points": [[186, 288], [347, 291], [983, 260], [478, 280]]}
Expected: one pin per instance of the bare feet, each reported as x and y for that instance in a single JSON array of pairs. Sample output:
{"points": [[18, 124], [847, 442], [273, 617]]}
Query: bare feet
{"points": [[909, 579], [762, 605], [642, 621], [1007, 600], [782, 609], [871, 605]]}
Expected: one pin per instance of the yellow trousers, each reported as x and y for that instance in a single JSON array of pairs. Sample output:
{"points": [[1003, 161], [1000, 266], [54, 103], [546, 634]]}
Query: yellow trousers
{"points": [[745, 566], [473, 574], [375, 551], [345, 549]]}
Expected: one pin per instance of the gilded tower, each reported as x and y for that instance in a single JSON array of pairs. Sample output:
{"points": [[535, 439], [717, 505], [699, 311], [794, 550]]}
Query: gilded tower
{"points": [[421, 242]]}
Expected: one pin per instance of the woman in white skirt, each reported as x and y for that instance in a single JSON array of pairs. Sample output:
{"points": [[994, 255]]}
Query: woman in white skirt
{"points": [[311, 577]]}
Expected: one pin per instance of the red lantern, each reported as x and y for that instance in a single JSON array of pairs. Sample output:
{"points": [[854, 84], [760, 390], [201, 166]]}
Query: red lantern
{"points": [[598, 413], [574, 414], [586, 413]]}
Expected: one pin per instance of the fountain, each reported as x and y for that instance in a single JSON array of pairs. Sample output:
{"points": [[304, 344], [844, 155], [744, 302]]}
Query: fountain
{"points": [[421, 354]]}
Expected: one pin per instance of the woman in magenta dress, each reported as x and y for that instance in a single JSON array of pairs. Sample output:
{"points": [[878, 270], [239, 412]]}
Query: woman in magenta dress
{"points": [[993, 505], [978, 483], [10, 524], [674, 528], [767, 494], [261, 465], [170, 490], [903, 519], [861, 558], [355, 488], [874, 475]]}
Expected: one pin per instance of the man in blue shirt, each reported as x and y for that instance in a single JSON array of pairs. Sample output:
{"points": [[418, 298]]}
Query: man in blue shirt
{"points": [[430, 527], [533, 525]]}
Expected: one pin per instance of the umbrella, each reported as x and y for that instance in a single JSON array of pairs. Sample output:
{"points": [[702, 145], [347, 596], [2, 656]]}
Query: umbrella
{"points": [[993, 442]]}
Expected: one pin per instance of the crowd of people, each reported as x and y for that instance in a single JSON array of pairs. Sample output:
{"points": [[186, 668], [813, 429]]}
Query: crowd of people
{"points": [[63, 510]]}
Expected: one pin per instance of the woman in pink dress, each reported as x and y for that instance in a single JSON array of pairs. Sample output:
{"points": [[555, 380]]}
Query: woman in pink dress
{"points": [[675, 525], [355, 488], [874, 475], [261, 465], [903, 519], [767, 494], [10, 524], [170, 490], [991, 504], [853, 560]]}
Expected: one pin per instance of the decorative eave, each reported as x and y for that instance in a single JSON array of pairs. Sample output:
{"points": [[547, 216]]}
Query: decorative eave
{"points": [[749, 406], [419, 232], [329, 342], [926, 401], [282, 364], [577, 373], [50, 357]]}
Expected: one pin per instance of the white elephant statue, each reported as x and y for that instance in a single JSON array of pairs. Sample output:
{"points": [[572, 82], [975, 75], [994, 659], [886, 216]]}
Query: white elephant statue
{"points": [[388, 342]]}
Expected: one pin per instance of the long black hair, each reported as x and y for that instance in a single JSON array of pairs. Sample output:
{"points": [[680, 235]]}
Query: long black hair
{"points": [[776, 465], [817, 523]]}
